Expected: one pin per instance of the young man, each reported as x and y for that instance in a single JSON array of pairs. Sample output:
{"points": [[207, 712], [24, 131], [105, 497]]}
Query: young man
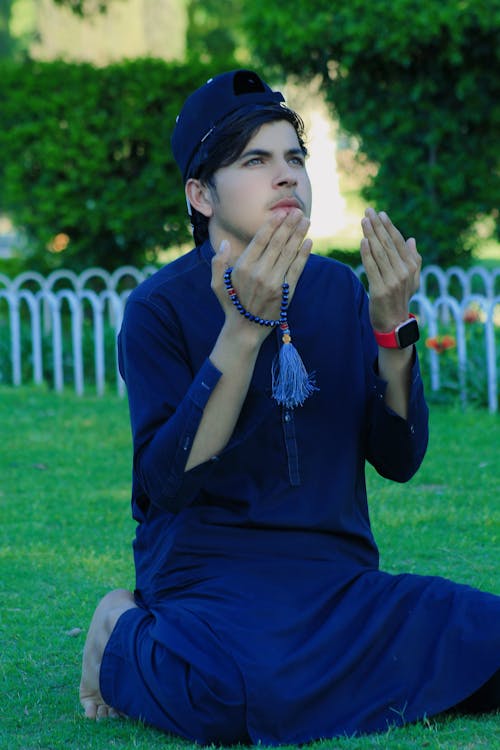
{"points": [[261, 378]]}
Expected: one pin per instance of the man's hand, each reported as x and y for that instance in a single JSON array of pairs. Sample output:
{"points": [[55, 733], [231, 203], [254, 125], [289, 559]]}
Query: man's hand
{"points": [[393, 269], [392, 266], [278, 250]]}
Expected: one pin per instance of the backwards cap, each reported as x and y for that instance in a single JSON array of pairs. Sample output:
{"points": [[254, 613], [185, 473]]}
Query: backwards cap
{"points": [[206, 107]]}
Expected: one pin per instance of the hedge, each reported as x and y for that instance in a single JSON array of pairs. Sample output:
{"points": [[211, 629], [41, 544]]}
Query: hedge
{"points": [[86, 159]]}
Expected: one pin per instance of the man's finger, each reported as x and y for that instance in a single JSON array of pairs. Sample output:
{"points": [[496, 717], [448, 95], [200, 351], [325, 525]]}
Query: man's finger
{"points": [[288, 252], [273, 236], [406, 251], [263, 237], [369, 263], [390, 250], [292, 274], [379, 250], [286, 240]]}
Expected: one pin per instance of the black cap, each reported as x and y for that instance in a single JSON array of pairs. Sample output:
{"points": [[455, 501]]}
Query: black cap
{"points": [[206, 107]]}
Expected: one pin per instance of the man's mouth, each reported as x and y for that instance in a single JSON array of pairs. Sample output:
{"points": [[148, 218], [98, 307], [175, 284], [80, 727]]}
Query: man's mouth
{"points": [[286, 204]]}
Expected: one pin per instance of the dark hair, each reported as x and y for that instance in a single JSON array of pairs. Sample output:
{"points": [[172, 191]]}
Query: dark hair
{"points": [[225, 144]]}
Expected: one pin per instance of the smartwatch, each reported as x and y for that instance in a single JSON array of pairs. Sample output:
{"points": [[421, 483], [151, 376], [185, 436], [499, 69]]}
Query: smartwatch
{"points": [[403, 335]]}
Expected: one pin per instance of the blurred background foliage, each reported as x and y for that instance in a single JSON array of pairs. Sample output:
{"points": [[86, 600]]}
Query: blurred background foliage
{"points": [[419, 85], [86, 165], [215, 34], [90, 176], [16, 35], [84, 7]]}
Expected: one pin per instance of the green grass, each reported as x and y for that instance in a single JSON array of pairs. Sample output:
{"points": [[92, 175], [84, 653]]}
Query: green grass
{"points": [[65, 541]]}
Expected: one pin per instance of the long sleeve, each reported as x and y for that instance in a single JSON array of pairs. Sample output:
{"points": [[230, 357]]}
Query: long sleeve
{"points": [[394, 446], [166, 401], [164, 360]]}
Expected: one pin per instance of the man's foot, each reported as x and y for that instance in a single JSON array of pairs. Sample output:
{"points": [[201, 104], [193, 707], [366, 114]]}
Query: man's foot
{"points": [[104, 620]]}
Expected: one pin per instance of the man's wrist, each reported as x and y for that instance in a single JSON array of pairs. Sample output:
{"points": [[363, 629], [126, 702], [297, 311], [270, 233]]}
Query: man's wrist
{"points": [[401, 336], [396, 358], [240, 334]]}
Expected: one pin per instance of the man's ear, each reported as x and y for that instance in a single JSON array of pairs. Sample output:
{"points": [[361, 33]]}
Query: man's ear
{"points": [[199, 197]]}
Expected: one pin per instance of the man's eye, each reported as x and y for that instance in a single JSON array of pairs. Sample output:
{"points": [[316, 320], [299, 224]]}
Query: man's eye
{"points": [[297, 161], [252, 162]]}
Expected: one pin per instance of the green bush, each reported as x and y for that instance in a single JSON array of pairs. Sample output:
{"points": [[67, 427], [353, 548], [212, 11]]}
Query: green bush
{"points": [[86, 160], [417, 84], [473, 381]]}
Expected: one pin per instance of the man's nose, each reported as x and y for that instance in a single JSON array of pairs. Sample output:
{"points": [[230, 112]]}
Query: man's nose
{"points": [[285, 175]]}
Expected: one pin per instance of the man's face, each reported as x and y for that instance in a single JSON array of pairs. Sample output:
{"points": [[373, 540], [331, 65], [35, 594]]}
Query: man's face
{"points": [[269, 175]]}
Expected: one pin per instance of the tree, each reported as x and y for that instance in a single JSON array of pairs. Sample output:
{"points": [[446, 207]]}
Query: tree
{"points": [[418, 85], [213, 35]]}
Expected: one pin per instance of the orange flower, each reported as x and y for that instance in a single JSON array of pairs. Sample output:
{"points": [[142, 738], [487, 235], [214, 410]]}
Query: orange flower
{"points": [[59, 243], [441, 343]]}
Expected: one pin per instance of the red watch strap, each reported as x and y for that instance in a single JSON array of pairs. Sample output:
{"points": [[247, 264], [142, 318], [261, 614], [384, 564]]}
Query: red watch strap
{"points": [[389, 340]]}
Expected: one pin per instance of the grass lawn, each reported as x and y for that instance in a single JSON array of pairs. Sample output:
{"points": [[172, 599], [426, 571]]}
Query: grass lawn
{"points": [[65, 541]]}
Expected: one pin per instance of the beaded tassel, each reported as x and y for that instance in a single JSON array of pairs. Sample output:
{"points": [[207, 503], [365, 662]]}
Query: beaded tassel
{"points": [[291, 383]]}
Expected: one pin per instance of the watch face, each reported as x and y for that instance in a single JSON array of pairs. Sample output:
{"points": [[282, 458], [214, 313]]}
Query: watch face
{"points": [[407, 333]]}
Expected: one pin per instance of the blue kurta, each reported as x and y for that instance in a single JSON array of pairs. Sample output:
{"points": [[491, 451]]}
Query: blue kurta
{"points": [[263, 615]]}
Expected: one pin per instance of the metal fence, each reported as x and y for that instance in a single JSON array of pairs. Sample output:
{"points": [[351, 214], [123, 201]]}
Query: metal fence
{"points": [[44, 319]]}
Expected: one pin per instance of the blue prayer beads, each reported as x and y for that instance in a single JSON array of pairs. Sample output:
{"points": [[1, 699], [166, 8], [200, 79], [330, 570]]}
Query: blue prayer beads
{"points": [[256, 318]]}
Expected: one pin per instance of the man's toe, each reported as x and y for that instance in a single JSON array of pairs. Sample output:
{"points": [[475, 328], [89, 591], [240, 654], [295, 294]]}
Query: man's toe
{"points": [[90, 708]]}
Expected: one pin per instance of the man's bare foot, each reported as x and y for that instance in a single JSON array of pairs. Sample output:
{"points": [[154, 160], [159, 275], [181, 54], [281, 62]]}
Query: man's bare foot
{"points": [[104, 620]]}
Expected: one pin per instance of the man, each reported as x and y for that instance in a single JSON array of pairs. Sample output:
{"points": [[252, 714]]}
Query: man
{"points": [[260, 379]]}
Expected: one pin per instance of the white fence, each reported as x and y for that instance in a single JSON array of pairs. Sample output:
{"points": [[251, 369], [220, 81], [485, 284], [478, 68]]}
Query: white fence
{"points": [[45, 305]]}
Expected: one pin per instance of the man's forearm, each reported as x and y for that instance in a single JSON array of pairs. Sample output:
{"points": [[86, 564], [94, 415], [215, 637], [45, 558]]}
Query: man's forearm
{"points": [[234, 354], [395, 368]]}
